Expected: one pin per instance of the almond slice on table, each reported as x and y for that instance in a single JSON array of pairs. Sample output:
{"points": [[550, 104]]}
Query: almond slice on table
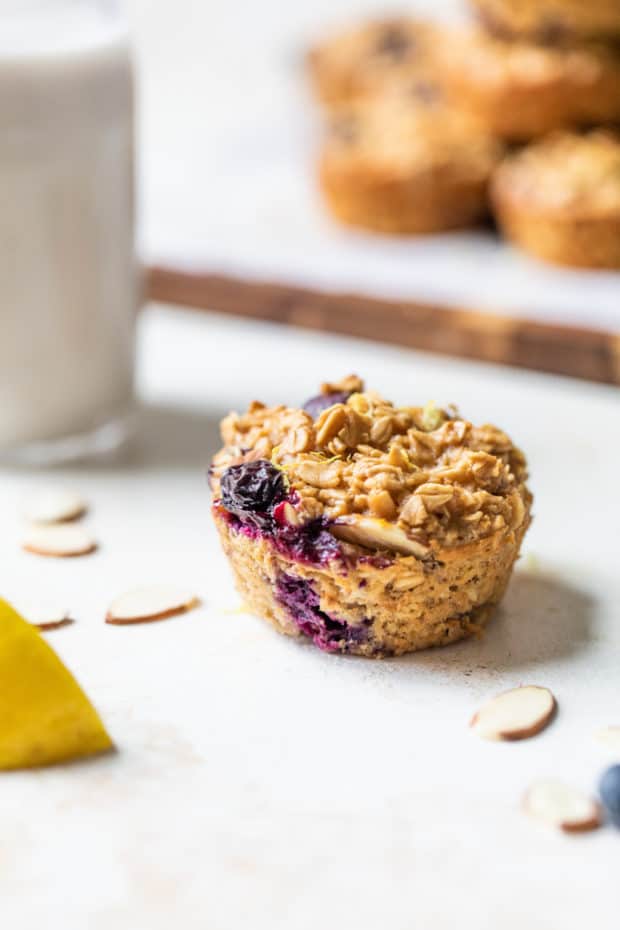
{"points": [[61, 541], [48, 618], [157, 602], [46, 625], [562, 806], [45, 612], [54, 505], [516, 714]]}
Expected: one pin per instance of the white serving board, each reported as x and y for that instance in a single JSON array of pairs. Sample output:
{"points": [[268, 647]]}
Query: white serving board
{"points": [[228, 139], [261, 783]]}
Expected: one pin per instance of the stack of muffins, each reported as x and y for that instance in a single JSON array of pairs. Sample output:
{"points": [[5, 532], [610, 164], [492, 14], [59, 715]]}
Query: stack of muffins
{"points": [[430, 128]]}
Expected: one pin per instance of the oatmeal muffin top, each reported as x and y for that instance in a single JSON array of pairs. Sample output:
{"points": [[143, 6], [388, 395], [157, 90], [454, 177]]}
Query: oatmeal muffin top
{"points": [[485, 59], [413, 480], [402, 134], [566, 172], [368, 58]]}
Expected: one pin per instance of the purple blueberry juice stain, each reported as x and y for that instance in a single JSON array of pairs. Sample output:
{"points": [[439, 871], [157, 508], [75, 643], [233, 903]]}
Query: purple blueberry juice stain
{"points": [[303, 605], [377, 561], [310, 544]]}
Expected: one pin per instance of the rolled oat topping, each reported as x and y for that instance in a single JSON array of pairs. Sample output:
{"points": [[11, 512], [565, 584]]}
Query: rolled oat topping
{"points": [[406, 479]]}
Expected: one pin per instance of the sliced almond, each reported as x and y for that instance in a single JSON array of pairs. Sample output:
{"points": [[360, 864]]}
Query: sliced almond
{"points": [[55, 505], [516, 714], [62, 541], [610, 737], [562, 806], [45, 613], [46, 620], [374, 533], [144, 605]]}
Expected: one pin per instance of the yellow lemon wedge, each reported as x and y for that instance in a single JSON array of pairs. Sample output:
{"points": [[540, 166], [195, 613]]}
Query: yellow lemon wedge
{"points": [[45, 717]]}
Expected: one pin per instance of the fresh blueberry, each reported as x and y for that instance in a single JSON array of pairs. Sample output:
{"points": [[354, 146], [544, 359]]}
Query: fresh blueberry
{"points": [[609, 788], [251, 489], [316, 405]]}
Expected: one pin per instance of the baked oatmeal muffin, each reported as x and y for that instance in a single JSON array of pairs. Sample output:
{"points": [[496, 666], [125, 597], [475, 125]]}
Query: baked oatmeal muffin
{"points": [[400, 164], [520, 90], [560, 199], [374, 56], [369, 528], [551, 20]]}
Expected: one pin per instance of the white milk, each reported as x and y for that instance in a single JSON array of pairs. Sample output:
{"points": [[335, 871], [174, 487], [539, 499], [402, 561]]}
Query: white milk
{"points": [[67, 272]]}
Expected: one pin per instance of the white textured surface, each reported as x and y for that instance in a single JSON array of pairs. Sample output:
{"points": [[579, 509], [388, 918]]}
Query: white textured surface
{"points": [[228, 139], [262, 784]]}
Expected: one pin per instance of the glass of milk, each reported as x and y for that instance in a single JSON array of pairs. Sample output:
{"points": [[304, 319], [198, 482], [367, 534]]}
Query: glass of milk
{"points": [[68, 275]]}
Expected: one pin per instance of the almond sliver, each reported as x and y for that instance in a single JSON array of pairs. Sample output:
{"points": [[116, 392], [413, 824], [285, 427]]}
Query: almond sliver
{"points": [[49, 619], [156, 602], [55, 505], [61, 541], [562, 806], [516, 714], [375, 533]]}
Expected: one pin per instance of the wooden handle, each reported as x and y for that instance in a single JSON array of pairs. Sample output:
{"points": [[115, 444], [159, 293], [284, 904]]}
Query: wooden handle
{"points": [[466, 333]]}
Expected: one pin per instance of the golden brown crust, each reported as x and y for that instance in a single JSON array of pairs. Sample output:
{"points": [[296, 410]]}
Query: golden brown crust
{"points": [[520, 90], [402, 166], [560, 199], [371, 58], [551, 19]]}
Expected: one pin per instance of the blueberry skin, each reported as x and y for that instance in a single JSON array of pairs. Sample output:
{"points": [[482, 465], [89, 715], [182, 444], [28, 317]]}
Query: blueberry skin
{"points": [[609, 788], [251, 489], [316, 405]]}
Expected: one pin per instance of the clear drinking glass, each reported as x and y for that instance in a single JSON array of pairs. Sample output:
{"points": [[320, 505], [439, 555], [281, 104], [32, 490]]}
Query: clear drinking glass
{"points": [[68, 273]]}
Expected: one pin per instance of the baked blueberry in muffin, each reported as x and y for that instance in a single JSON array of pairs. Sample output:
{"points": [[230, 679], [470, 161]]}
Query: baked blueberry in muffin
{"points": [[369, 528]]}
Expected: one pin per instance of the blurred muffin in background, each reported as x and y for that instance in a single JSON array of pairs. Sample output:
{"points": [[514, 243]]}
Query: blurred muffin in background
{"points": [[405, 164], [520, 90], [560, 199], [550, 20], [369, 58]]}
